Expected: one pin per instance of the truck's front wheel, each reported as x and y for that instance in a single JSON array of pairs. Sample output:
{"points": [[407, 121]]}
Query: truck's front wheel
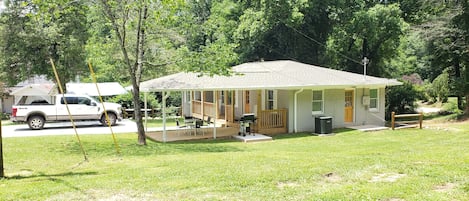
{"points": [[112, 119], [36, 122]]}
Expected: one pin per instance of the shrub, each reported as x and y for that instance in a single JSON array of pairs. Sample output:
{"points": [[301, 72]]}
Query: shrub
{"points": [[401, 99]]}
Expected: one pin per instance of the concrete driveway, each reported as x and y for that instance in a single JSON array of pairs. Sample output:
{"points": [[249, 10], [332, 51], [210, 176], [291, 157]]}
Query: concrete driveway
{"points": [[65, 128]]}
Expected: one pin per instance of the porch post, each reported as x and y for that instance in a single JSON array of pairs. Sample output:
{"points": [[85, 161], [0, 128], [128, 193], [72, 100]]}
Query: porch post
{"points": [[232, 105], [183, 101], [164, 115], [202, 103], [225, 97], [259, 101], [259, 108], [146, 113], [215, 116]]}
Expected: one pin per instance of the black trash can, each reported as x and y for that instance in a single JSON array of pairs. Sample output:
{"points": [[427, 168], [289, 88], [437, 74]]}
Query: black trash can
{"points": [[323, 125]]}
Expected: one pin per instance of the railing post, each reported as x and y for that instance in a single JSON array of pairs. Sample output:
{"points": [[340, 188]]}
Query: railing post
{"points": [[284, 118], [392, 120], [420, 119]]}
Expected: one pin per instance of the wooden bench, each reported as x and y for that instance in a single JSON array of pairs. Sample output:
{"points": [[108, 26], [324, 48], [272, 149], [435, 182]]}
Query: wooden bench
{"points": [[394, 116]]}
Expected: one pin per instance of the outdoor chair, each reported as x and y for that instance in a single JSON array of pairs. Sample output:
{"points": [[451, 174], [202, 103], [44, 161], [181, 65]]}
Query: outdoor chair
{"points": [[208, 120], [198, 126], [180, 127]]}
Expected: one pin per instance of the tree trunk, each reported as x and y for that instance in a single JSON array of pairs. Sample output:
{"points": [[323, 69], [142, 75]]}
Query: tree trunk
{"points": [[140, 54], [138, 114], [467, 105], [457, 74], [135, 70]]}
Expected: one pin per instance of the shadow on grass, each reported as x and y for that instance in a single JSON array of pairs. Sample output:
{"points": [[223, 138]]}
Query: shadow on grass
{"points": [[50, 176], [287, 136], [57, 178], [129, 147]]}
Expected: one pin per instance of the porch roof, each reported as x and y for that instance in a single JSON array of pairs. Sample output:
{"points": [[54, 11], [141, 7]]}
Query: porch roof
{"points": [[282, 74]]}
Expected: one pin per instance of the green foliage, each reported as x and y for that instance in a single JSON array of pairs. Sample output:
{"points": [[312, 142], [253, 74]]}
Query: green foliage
{"points": [[441, 87], [451, 107], [287, 29], [374, 33], [401, 99], [126, 100], [35, 31]]}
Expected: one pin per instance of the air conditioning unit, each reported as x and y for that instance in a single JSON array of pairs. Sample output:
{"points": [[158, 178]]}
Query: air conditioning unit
{"points": [[366, 100]]}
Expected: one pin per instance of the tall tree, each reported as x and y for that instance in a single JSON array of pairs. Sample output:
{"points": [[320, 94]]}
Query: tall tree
{"points": [[286, 29], [447, 46], [374, 33], [123, 15], [208, 28], [35, 31]]}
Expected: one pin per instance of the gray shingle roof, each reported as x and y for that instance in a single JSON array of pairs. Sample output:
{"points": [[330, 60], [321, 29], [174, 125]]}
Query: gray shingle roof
{"points": [[283, 74]]}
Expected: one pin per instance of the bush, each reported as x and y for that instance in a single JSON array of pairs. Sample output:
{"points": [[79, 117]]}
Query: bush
{"points": [[126, 100], [4, 116], [450, 108], [401, 99]]}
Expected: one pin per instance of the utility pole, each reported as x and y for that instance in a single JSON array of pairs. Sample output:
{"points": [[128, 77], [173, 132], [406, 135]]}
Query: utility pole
{"points": [[2, 173], [365, 61]]}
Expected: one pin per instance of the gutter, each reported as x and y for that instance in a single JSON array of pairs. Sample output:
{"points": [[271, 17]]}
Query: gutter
{"points": [[295, 106]]}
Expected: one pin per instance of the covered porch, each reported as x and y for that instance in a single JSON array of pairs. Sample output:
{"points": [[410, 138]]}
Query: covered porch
{"points": [[228, 107]]}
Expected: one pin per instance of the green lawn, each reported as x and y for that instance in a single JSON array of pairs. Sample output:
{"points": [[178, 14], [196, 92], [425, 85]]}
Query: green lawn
{"points": [[409, 164]]}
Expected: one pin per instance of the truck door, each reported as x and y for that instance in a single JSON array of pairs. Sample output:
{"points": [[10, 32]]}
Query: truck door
{"points": [[80, 109]]}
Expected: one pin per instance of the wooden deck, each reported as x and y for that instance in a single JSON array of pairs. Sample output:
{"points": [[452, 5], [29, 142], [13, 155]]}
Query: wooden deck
{"points": [[185, 134]]}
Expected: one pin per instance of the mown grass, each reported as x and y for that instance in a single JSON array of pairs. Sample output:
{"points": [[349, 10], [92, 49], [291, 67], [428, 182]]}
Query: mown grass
{"points": [[159, 122], [408, 164]]}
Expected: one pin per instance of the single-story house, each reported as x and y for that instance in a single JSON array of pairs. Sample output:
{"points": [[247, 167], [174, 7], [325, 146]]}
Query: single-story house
{"points": [[285, 96]]}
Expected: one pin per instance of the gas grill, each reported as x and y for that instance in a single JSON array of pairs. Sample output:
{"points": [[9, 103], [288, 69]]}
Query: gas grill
{"points": [[246, 123]]}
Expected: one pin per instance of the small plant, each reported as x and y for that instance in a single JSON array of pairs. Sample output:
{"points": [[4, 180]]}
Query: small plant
{"points": [[5, 116], [450, 107]]}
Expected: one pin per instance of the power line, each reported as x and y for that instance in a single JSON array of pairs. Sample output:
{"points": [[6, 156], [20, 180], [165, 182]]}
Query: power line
{"points": [[321, 44]]}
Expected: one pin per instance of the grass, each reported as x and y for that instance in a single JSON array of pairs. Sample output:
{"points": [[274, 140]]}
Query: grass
{"points": [[407, 164], [159, 122]]}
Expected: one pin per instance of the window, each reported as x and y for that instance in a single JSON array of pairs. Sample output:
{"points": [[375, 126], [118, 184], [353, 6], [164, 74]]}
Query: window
{"points": [[209, 97], [83, 100], [76, 100], [70, 100], [318, 102], [374, 99], [270, 100], [197, 95]]}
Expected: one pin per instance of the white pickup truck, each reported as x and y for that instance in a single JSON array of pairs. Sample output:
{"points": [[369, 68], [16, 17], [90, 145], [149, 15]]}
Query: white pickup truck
{"points": [[37, 110]]}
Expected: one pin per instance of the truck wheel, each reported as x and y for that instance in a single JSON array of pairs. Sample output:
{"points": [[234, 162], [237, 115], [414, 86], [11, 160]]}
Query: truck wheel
{"points": [[112, 118], [36, 122]]}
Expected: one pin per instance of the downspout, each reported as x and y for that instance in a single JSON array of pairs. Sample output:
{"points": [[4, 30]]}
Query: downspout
{"points": [[164, 97], [295, 106]]}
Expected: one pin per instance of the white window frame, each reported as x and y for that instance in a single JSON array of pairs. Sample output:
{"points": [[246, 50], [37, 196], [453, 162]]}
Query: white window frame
{"points": [[321, 101], [374, 109], [273, 100]]}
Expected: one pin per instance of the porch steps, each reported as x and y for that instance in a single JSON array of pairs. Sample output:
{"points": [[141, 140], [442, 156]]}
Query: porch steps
{"points": [[253, 138]]}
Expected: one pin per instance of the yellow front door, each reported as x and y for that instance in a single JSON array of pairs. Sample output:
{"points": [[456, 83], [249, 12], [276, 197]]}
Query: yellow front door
{"points": [[348, 113]]}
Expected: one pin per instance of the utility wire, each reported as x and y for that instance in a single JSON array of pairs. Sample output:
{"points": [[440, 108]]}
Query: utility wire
{"points": [[321, 44]]}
